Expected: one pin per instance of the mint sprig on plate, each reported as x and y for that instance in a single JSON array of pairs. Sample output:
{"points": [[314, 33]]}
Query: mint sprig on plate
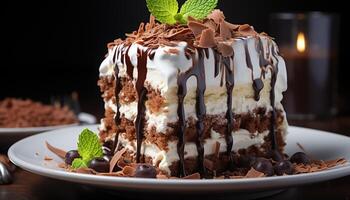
{"points": [[89, 147], [166, 11]]}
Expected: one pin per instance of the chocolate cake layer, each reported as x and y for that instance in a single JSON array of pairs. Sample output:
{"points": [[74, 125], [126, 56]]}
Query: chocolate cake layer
{"points": [[256, 122]]}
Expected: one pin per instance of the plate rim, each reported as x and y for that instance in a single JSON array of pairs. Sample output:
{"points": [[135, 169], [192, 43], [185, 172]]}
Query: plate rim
{"points": [[127, 182]]}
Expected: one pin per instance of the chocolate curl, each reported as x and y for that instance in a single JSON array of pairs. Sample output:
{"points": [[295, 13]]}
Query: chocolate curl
{"points": [[207, 39], [115, 159], [129, 171], [59, 152], [193, 176], [252, 173], [246, 30], [196, 27], [225, 31], [217, 16], [225, 49]]}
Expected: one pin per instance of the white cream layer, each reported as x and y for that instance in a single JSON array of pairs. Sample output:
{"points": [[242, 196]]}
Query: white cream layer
{"points": [[242, 139], [163, 70]]}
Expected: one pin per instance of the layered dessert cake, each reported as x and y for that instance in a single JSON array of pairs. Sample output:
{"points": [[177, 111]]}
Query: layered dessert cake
{"points": [[194, 97]]}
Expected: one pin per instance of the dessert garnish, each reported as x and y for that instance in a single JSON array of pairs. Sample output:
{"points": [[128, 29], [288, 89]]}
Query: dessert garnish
{"points": [[166, 11], [89, 151]]}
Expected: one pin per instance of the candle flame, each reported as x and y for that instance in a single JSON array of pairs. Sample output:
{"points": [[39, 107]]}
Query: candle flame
{"points": [[301, 44]]}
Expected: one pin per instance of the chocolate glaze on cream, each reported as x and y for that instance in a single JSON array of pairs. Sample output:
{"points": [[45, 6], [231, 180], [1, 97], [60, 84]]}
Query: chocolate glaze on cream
{"points": [[223, 65], [118, 88], [198, 71]]}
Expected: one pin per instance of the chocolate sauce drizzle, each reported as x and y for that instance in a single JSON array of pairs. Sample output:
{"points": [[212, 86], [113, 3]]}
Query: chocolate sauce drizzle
{"points": [[229, 78], [118, 87], [198, 71], [274, 71], [225, 64], [140, 89], [222, 64], [258, 85]]}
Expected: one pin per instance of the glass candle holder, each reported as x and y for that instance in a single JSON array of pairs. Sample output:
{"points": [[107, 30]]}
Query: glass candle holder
{"points": [[309, 44]]}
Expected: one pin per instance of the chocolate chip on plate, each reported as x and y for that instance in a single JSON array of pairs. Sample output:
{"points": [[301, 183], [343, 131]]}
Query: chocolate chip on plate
{"points": [[300, 158], [283, 167], [264, 166], [99, 165], [70, 156], [145, 171]]}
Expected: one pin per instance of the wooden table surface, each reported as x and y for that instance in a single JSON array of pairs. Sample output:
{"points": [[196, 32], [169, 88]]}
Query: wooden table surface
{"points": [[28, 186]]}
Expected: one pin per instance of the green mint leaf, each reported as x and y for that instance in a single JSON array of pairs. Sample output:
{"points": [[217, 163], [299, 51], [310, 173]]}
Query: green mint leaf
{"points": [[89, 145], [198, 9], [163, 10], [78, 163]]}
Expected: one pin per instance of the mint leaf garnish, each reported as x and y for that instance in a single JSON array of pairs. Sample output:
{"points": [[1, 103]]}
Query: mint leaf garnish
{"points": [[197, 9], [163, 10], [78, 163], [89, 147], [166, 11]]}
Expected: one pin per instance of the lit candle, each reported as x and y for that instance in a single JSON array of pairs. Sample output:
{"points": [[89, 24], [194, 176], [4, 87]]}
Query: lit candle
{"points": [[306, 42], [301, 43]]}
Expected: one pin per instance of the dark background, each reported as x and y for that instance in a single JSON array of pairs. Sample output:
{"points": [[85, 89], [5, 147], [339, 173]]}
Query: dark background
{"points": [[55, 47]]}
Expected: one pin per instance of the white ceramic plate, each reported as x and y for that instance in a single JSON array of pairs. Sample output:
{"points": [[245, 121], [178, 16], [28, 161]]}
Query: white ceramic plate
{"points": [[8, 136], [29, 154]]}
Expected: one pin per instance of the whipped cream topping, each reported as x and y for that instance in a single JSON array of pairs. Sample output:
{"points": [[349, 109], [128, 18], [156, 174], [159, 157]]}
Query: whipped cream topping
{"points": [[163, 69]]}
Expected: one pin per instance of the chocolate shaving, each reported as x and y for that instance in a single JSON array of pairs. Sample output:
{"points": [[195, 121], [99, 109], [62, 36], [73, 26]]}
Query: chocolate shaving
{"points": [[119, 174], [121, 163], [336, 162], [48, 158], [217, 16], [225, 31], [211, 32], [197, 27], [225, 49], [172, 51], [246, 30], [252, 173], [84, 170], [59, 152], [116, 157], [162, 176], [318, 165], [211, 24], [207, 39], [193, 176], [129, 171]]}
